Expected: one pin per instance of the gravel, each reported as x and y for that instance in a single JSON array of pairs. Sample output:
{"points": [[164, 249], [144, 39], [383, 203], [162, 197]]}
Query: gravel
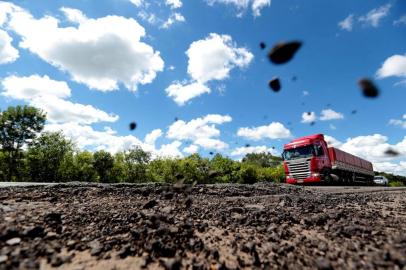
{"points": [[226, 226]]}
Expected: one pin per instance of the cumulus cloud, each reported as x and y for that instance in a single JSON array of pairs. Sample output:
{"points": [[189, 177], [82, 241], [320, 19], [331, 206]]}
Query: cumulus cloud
{"points": [[201, 131], [373, 148], [100, 53], [374, 16], [395, 66], [173, 18], [181, 93], [210, 59], [174, 3], [242, 5], [213, 58], [8, 53], [151, 137], [275, 130], [347, 23], [398, 122], [330, 114], [242, 151], [308, 117], [49, 95], [191, 149], [137, 3], [86, 137], [400, 21], [74, 15]]}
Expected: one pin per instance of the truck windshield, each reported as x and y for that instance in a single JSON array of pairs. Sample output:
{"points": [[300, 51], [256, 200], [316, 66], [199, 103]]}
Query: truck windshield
{"points": [[300, 152]]}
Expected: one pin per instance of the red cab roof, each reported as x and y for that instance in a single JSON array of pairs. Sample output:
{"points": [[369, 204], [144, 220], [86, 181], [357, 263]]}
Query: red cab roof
{"points": [[304, 141]]}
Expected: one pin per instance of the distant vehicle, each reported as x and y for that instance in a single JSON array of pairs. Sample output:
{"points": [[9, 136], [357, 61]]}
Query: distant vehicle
{"points": [[309, 159], [381, 180]]}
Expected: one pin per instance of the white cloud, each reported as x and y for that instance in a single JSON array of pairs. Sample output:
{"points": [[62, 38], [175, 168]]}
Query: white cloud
{"points": [[74, 15], [391, 167], [373, 148], [173, 18], [210, 59], [201, 131], [332, 127], [209, 143], [137, 3], [330, 114], [332, 142], [50, 95], [374, 16], [151, 137], [214, 57], [242, 151], [400, 21], [242, 5], [8, 53], [27, 88], [275, 130], [100, 53], [308, 117], [181, 93], [347, 23], [170, 150], [191, 149], [88, 138], [174, 3], [398, 122], [393, 66]]}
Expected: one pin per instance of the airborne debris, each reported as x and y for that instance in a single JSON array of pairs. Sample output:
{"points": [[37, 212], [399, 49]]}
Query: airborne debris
{"points": [[275, 84], [294, 78], [353, 111], [247, 145], [391, 152], [284, 52], [312, 123], [262, 45], [133, 125], [368, 88], [211, 153]]}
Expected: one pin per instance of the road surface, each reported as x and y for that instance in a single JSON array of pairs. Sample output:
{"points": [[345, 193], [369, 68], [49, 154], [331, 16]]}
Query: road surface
{"points": [[81, 226]]}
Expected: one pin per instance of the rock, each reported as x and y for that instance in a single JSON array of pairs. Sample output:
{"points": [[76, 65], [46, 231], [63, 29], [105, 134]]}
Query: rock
{"points": [[323, 264], [275, 84], [284, 51], [3, 258], [95, 248], [13, 241], [150, 204], [368, 88], [171, 264], [33, 232]]}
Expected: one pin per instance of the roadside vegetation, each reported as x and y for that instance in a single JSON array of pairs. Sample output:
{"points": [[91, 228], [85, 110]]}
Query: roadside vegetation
{"points": [[29, 154]]}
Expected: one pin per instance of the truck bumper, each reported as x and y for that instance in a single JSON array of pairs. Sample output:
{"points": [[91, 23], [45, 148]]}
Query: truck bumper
{"points": [[312, 179]]}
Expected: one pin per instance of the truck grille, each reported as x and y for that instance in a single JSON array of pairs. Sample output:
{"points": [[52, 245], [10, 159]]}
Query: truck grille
{"points": [[299, 168]]}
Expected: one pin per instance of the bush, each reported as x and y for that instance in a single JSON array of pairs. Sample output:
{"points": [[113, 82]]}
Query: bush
{"points": [[396, 184]]}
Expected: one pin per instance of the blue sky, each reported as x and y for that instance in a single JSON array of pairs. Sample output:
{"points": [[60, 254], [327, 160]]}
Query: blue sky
{"points": [[94, 68]]}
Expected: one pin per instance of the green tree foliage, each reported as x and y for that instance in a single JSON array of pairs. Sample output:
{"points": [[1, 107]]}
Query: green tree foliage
{"points": [[135, 165], [264, 159], [18, 126], [47, 155], [103, 164]]}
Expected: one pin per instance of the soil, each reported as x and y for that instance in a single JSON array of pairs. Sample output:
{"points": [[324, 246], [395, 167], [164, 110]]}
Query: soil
{"points": [[264, 226]]}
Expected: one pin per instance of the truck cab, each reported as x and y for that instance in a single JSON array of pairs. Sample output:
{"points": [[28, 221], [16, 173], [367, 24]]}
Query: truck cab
{"points": [[306, 159]]}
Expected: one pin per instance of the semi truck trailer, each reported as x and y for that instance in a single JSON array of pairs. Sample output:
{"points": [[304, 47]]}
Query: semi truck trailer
{"points": [[310, 160]]}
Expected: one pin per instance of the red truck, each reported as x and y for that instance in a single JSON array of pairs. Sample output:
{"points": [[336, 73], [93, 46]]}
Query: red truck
{"points": [[309, 159]]}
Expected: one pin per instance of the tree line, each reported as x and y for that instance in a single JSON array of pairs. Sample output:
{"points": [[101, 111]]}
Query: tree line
{"points": [[29, 154]]}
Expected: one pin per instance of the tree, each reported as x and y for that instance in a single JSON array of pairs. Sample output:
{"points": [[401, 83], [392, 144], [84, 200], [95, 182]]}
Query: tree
{"points": [[103, 164], [264, 159], [46, 156], [18, 126], [135, 164]]}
